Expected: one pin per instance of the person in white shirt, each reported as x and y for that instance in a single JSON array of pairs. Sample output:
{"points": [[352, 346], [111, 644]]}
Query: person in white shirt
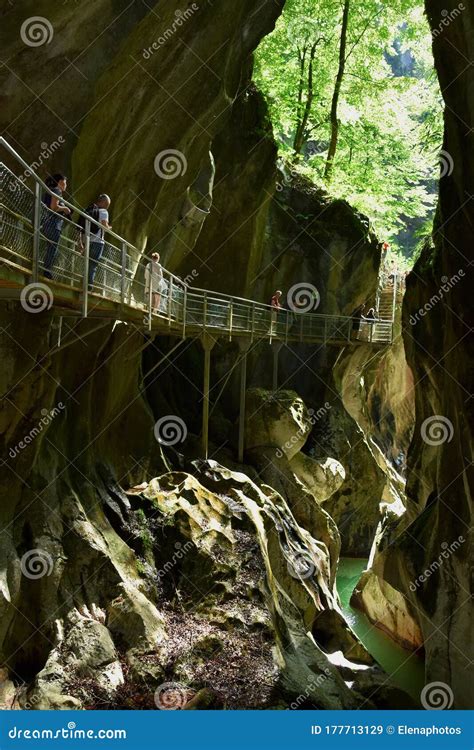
{"points": [[153, 281], [97, 243]]}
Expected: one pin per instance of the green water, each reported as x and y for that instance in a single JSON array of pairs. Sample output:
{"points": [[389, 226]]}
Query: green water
{"points": [[405, 668]]}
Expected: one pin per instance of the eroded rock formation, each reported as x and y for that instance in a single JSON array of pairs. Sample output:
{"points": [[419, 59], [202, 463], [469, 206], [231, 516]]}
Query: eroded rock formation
{"points": [[423, 588], [103, 618]]}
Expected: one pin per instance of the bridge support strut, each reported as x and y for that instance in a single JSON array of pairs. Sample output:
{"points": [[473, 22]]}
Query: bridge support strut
{"points": [[207, 342], [244, 345], [276, 351]]}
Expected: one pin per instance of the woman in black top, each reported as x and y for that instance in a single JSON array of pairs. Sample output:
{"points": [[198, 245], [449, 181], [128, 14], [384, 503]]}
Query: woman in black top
{"points": [[53, 222]]}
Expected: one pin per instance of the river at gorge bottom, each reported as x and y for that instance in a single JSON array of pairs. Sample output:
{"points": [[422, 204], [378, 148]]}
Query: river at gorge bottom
{"points": [[405, 668]]}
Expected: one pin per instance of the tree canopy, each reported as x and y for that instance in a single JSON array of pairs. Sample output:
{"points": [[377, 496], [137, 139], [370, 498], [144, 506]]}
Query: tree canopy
{"points": [[355, 104]]}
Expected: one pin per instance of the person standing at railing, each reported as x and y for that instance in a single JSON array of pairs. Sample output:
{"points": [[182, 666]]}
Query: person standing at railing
{"points": [[153, 281], [52, 225], [99, 212], [97, 243], [276, 306], [357, 317]]}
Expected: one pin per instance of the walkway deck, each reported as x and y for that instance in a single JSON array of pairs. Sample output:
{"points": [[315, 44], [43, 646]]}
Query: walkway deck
{"points": [[119, 285]]}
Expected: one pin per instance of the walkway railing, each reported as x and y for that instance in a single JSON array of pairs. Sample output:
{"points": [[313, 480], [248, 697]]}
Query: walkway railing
{"points": [[31, 241]]}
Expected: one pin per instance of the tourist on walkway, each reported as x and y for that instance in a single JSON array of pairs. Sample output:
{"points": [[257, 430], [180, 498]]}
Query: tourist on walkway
{"points": [[52, 225], [357, 316], [99, 212], [153, 282], [275, 305]]}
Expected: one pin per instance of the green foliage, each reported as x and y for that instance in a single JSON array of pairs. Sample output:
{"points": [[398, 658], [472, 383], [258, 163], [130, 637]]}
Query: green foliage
{"points": [[390, 108]]}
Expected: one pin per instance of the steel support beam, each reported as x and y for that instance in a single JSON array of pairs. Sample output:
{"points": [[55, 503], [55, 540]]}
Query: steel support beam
{"points": [[276, 351], [244, 345], [208, 343]]}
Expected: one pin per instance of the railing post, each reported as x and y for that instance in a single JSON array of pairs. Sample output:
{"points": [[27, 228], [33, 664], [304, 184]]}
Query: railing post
{"points": [[301, 327], [85, 278], [170, 300], [204, 310], [287, 326], [231, 317], [185, 310], [253, 323], [394, 296], [36, 233], [150, 294], [123, 281]]}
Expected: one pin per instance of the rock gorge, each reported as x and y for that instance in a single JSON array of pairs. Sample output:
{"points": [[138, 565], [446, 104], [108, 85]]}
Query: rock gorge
{"points": [[213, 574]]}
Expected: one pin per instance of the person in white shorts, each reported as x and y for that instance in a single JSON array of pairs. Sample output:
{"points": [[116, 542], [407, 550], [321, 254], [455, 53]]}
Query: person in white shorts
{"points": [[153, 281]]}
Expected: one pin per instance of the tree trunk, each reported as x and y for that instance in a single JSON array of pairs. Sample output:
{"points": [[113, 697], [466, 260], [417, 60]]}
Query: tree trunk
{"points": [[300, 137], [335, 98]]}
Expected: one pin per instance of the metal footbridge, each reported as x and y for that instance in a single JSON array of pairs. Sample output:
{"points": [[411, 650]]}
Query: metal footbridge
{"points": [[119, 290]]}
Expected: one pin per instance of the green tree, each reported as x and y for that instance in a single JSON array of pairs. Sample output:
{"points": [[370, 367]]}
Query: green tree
{"points": [[355, 102]]}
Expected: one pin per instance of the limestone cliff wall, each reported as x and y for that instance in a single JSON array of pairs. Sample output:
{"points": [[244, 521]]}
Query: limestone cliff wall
{"points": [[421, 587]]}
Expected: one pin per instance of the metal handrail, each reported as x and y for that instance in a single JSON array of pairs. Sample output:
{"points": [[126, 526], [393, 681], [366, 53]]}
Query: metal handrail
{"points": [[178, 303]]}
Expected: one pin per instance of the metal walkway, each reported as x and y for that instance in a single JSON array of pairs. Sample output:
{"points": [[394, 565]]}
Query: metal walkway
{"points": [[119, 292]]}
